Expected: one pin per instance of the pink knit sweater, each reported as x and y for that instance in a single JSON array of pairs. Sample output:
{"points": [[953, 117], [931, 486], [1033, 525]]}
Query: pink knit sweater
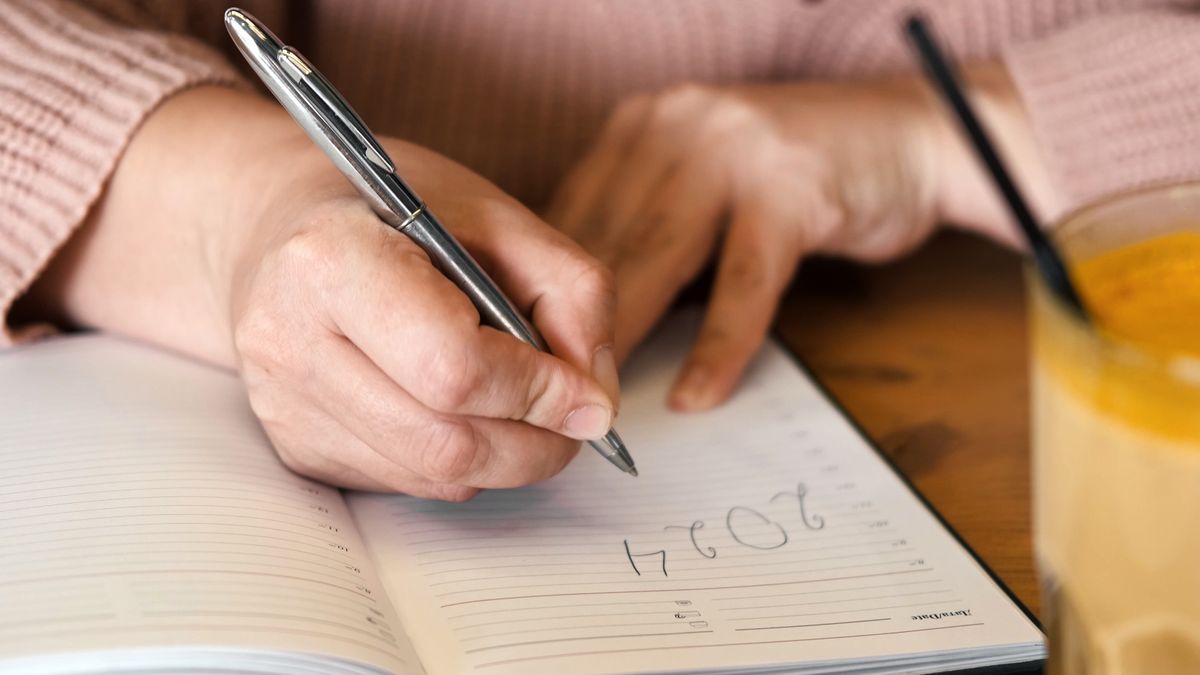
{"points": [[1113, 86]]}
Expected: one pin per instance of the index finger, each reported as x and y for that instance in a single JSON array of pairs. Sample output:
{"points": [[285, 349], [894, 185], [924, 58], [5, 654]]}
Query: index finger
{"points": [[569, 295]]}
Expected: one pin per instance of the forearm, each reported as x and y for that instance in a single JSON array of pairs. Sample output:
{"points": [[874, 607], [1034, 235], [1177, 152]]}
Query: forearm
{"points": [[83, 79], [154, 256]]}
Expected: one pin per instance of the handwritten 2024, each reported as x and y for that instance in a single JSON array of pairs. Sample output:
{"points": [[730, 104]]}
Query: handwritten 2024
{"points": [[736, 519]]}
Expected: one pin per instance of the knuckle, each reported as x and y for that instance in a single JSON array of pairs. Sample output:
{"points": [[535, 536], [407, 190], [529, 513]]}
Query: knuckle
{"points": [[715, 340], [312, 251], [544, 391], [827, 209], [730, 116], [454, 376], [823, 218], [595, 280], [253, 339], [745, 273], [401, 252], [452, 452]]}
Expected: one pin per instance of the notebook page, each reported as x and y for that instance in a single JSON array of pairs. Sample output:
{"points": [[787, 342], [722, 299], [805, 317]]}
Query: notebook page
{"points": [[765, 532], [142, 506]]}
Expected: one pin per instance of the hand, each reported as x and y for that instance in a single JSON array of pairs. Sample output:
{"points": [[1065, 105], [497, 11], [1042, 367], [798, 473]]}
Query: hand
{"points": [[366, 366], [761, 176]]}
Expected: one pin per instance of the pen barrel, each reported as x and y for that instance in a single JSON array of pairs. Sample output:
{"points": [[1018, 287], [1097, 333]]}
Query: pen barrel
{"points": [[458, 266]]}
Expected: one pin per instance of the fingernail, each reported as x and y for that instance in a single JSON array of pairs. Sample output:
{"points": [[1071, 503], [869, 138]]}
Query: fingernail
{"points": [[691, 389], [588, 423], [604, 369]]}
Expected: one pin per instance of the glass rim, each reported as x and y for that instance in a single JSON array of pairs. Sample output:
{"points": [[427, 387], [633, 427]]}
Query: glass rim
{"points": [[1115, 198], [1169, 360]]}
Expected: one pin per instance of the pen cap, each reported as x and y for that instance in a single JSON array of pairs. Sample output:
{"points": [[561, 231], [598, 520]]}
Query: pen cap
{"points": [[325, 116]]}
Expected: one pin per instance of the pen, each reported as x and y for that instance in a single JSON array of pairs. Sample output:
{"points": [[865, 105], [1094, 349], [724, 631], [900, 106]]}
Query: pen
{"points": [[334, 126]]}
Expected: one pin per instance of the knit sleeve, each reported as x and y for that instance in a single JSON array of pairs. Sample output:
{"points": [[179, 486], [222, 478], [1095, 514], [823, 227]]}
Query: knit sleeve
{"points": [[75, 84], [1115, 101]]}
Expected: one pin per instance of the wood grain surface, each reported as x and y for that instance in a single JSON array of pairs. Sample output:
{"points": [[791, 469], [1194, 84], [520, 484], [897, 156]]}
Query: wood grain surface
{"points": [[929, 354]]}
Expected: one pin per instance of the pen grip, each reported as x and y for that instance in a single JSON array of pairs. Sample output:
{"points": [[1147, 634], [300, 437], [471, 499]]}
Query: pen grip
{"points": [[495, 309]]}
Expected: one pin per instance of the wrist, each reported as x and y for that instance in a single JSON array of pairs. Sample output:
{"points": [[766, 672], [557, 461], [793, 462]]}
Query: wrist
{"points": [[236, 149], [152, 258], [966, 193]]}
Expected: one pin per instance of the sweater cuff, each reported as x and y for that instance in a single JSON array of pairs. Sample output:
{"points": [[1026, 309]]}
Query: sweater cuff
{"points": [[74, 88], [1114, 101]]}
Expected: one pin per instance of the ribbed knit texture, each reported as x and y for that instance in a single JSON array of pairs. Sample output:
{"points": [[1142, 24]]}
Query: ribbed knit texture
{"points": [[1116, 101], [516, 89], [73, 88]]}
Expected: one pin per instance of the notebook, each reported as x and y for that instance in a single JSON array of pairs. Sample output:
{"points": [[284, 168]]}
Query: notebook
{"points": [[149, 527]]}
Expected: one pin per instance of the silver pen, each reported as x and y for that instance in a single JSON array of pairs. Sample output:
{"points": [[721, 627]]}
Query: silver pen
{"points": [[334, 126]]}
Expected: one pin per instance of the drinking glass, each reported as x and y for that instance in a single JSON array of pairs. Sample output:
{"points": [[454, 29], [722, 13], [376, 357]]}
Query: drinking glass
{"points": [[1116, 454]]}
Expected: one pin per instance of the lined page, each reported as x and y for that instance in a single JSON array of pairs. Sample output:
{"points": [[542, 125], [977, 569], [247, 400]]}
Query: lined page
{"points": [[141, 506], [763, 533]]}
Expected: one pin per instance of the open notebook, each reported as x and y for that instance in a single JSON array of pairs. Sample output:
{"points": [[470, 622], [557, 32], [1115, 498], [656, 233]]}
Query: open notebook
{"points": [[147, 524]]}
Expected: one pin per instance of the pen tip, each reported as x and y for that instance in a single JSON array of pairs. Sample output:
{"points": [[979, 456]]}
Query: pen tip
{"points": [[612, 448]]}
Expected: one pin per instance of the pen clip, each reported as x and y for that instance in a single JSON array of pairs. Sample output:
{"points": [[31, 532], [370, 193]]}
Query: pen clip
{"points": [[326, 117], [304, 74]]}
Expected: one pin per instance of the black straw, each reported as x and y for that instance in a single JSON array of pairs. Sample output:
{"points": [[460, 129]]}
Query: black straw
{"points": [[1046, 257]]}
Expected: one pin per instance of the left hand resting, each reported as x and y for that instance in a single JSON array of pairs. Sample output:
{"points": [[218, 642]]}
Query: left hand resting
{"points": [[761, 176]]}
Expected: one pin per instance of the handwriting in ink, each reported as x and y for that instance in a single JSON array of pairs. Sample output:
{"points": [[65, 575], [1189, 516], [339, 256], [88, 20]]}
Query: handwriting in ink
{"points": [[811, 521], [733, 531], [707, 551], [631, 555], [748, 527]]}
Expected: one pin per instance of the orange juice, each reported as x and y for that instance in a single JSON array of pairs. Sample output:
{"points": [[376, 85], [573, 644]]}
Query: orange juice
{"points": [[1116, 436]]}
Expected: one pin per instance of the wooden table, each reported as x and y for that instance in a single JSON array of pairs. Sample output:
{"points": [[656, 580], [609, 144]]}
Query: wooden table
{"points": [[929, 355]]}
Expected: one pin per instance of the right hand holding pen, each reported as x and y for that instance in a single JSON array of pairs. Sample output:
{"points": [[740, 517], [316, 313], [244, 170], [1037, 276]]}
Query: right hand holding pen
{"points": [[369, 368], [366, 366]]}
